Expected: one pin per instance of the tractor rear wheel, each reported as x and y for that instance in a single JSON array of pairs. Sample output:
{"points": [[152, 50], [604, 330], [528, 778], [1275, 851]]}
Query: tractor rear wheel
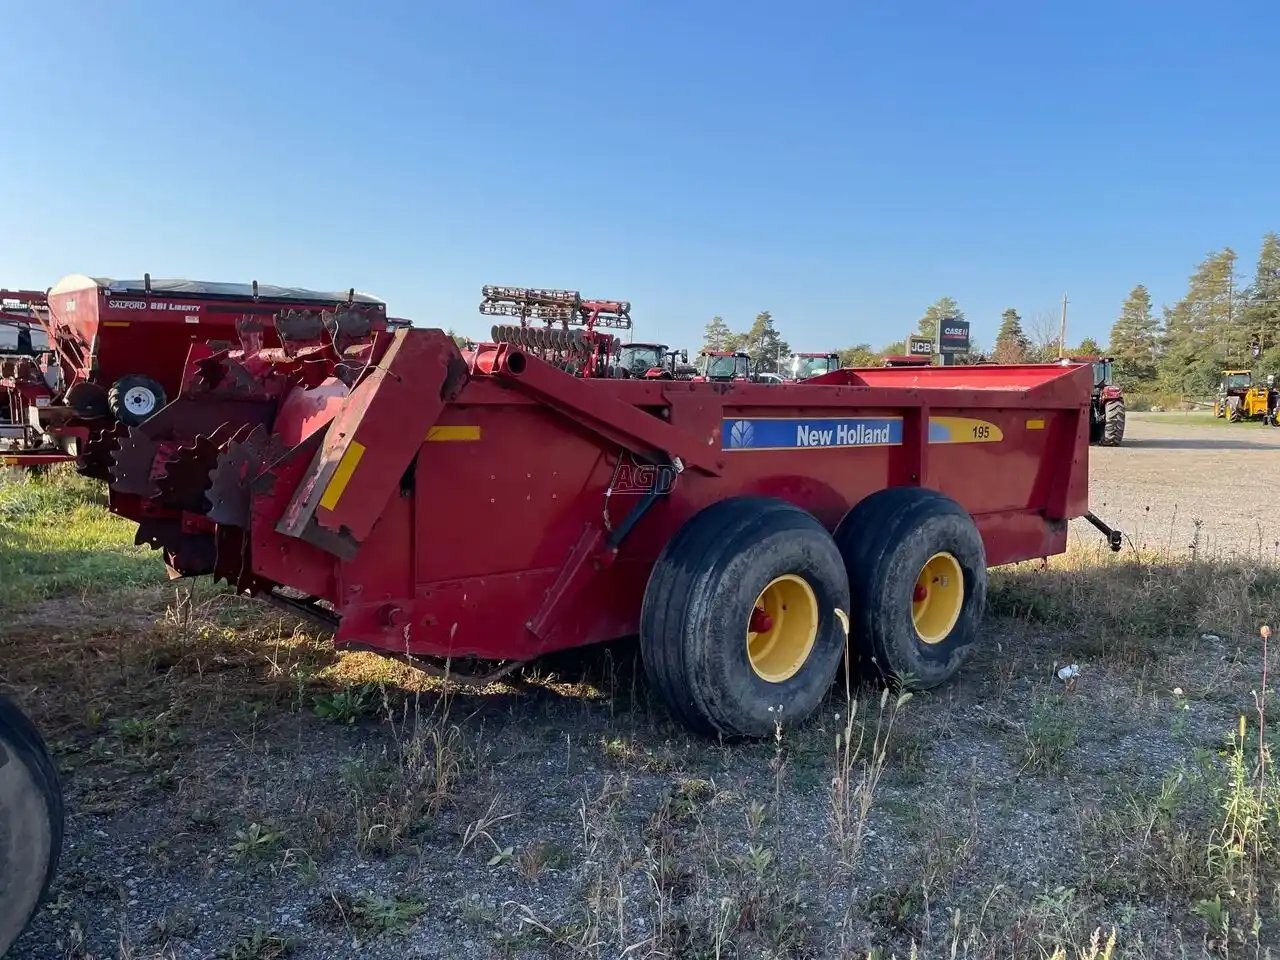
{"points": [[739, 630], [1113, 424], [1234, 413], [1095, 427], [30, 822], [917, 583], [134, 398]]}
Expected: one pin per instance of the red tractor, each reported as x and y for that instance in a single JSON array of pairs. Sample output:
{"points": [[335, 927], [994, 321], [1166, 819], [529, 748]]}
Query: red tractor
{"points": [[650, 361], [1106, 409], [116, 350], [724, 366], [802, 366]]}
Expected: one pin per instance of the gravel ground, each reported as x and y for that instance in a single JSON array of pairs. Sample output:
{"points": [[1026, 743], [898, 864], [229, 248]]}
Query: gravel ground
{"points": [[1180, 479], [220, 804]]}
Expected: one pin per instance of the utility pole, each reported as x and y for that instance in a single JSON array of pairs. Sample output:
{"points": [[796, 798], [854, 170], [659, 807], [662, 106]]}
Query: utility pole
{"points": [[1062, 329]]}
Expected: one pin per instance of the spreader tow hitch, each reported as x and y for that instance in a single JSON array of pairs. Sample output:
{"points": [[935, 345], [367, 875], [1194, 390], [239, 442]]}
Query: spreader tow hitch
{"points": [[1114, 537]]}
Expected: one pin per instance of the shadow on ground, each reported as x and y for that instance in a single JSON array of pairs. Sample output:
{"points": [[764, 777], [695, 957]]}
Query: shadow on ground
{"points": [[1192, 443]]}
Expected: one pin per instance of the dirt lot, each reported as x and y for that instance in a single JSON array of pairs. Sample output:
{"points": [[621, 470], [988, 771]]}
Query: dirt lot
{"points": [[1181, 479], [237, 790]]}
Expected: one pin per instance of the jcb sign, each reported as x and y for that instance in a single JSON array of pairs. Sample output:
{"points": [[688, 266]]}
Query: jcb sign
{"points": [[919, 346], [954, 337]]}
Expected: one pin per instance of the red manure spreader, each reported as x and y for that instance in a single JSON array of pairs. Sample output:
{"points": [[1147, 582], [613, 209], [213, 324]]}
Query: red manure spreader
{"points": [[473, 510], [111, 352]]}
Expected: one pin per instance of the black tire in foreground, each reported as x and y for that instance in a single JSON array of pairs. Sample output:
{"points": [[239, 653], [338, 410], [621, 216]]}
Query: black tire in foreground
{"points": [[30, 822], [917, 583], [134, 398], [1113, 424], [739, 630]]}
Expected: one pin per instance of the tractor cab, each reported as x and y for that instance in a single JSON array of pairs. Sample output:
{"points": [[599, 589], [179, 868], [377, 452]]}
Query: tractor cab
{"points": [[1104, 384], [637, 359], [649, 361], [1106, 409], [802, 366], [1239, 398], [1235, 382], [1102, 369], [1102, 376], [723, 366]]}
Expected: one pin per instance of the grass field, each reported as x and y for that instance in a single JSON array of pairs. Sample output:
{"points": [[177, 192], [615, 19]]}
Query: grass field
{"points": [[237, 789]]}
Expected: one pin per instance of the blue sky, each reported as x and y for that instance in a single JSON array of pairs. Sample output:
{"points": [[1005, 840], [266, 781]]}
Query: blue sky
{"points": [[840, 164]]}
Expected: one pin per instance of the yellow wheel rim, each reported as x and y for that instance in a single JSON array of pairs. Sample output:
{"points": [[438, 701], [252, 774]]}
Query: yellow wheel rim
{"points": [[938, 597], [782, 628]]}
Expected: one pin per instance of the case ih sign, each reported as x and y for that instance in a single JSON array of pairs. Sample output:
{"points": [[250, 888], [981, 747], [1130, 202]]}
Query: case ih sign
{"points": [[954, 337]]}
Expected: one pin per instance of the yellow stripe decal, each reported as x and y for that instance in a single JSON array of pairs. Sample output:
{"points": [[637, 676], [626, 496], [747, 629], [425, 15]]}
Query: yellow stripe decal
{"points": [[453, 433], [1035, 424], [963, 430], [115, 323], [342, 476]]}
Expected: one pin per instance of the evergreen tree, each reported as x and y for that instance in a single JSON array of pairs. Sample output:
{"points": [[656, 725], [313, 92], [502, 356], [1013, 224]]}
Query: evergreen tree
{"points": [[944, 309], [716, 335], [765, 345], [859, 355], [1268, 363], [1134, 338], [895, 349], [1089, 347], [1011, 342], [1201, 331], [1260, 312]]}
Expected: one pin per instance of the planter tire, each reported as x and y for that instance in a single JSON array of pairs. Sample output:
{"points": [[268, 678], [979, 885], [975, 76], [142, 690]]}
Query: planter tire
{"points": [[134, 398]]}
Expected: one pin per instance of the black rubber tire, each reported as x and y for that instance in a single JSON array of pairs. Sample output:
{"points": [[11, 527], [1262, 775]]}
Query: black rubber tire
{"points": [[885, 541], [1113, 424], [700, 596], [88, 400], [118, 398], [30, 822], [1095, 429]]}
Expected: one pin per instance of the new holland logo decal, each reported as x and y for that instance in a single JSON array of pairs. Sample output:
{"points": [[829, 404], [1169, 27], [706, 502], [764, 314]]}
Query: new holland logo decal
{"points": [[806, 433]]}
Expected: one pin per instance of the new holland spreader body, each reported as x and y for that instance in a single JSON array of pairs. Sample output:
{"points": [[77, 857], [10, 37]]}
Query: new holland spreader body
{"points": [[489, 507]]}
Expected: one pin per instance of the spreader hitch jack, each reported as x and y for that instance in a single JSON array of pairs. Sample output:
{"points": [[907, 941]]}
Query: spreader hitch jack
{"points": [[1114, 537]]}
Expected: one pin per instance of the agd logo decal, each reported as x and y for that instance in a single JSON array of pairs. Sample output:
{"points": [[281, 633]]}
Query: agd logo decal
{"points": [[637, 478]]}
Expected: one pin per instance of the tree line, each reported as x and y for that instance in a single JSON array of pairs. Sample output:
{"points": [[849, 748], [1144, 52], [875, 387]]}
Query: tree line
{"points": [[762, 342], [1014, 344], [1220, 323]]}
